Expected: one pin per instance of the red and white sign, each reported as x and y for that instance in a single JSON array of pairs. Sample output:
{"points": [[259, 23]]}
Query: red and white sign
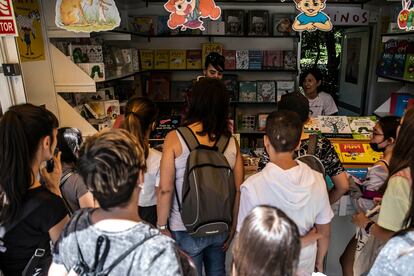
{"points": [[8, 25]]}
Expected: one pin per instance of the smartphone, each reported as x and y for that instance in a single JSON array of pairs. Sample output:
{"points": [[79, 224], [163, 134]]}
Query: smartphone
{"points": [[50, 164]]}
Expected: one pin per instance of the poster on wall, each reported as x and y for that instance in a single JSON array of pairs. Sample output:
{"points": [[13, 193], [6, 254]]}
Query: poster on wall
{"points": [[30, 39], [311, 16], [7, 20], [87, 15], [353, 52], [189, 14]]}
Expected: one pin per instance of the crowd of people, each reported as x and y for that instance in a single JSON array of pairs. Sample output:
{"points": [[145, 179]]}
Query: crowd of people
{"points": [[111, 205]]}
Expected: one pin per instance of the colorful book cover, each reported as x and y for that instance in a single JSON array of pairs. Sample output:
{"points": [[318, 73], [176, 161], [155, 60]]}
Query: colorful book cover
{"points": [[284, 87], [393, 102], [159, 87], [273, 59], [242, 59], [282, 24], [357, 173], [164, 125], [409, 67], [397, 66], [402, 103], [194, 59], [335, 126], [266, 91], [229, 59], [179, 90], [247, 91], [207, 48], [162, 59], [178, 59], [289, 60], [255, 59], [362, 127], [313, 125], [357, 153], [234, 22], [147, 59], [384, 64], [232, 86], [79, 53], [261, 121]]}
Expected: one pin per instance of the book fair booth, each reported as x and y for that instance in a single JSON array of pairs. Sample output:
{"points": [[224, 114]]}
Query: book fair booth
{"points": [[85, 64]]}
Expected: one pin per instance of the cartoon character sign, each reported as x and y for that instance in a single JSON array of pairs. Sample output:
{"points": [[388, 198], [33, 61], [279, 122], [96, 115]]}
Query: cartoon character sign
{"points": [[405, 17], [311, 17], [188, 13]]}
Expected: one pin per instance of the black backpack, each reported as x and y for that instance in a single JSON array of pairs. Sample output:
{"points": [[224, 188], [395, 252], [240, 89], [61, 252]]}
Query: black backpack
{"points": [[208, 192], [309, 158]]}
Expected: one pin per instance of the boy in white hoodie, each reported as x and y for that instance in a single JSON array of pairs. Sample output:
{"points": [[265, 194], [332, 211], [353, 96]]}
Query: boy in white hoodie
{"points": [[291, 186]]}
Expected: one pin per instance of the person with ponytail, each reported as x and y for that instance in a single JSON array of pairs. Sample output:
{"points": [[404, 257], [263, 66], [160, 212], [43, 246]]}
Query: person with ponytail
{"points": [[140, 117], [31, 213]]}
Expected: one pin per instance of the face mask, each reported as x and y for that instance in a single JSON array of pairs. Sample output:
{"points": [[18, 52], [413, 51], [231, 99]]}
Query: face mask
{"points": [[376, 148]]}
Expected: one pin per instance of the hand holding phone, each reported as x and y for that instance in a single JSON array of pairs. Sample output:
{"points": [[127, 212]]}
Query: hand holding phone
{"points": [[52, 173]]}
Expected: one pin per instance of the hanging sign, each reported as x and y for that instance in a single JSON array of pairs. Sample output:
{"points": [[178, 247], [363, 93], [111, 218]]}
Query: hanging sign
{"points": [[353, 16], [311, 17], [188, 14], [87, 15], [30, 41], [406, 16], [7, 22]]}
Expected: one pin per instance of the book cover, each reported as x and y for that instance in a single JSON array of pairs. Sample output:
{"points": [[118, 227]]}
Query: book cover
{"points": [[284, 87], [273, 59], [207, 48], [194, 59], [178, 59], [164, 125], [410, 103], [397, 66], [242, 59], [246, 122], [216, 28], [159, 87], [147, 59], [282, 24], [162, 59], [79, 53], [127, 66], [384, 64], [313, 125], [261, 121], [258, 22], [335, 126], [357, 153], [229, 59], [393, 102], [179, 90], [402, 103], [135, 59], [247, 91], [362, 127], [266, 91], [255, 59], [143, 25], [232, 86], [94, 53], [95, 71], [161, 25], [357, 173], [289, 60], [409, 67], [234, 22]]}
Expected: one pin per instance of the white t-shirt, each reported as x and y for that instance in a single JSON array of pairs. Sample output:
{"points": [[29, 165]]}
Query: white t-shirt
{"points": [[175, 221], [323, 105], [147, 196], [300, 192]]}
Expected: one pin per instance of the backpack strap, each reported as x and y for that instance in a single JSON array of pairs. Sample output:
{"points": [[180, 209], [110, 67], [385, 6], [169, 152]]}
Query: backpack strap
{"points": [[189, 138], [222, 143], [313, 141], [385, 163]]}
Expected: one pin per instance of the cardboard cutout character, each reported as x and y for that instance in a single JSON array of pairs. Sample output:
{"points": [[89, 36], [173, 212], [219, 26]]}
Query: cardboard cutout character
{"points": [[187, 14], [311, 17]]}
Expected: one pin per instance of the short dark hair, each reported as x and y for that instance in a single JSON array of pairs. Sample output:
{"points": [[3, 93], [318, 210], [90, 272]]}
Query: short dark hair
{"points": [[284, 129], [216, 60], [110, 163], [389, 125], [209, 104], [295, 102], [69, 141], [315, 72], [268, 244]]}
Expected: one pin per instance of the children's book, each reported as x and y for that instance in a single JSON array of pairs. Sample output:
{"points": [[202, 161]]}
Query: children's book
{"points": [[385, 64], [313, 125], [247, 91], [242, 59], [164, 125], [261, 121], [246, 122], [357, 173], [229, 59], [258, 22], [284, 87], [289, 60], [162, 59], [335, 126], [178, 59], [409, 67], [357, 153], [94, 53], [397, 66], [362, 127], [255, 59], [266, 91], [135, 59], [143, 25], [232, 86], [159, 87], [273, 59], [147, 59], [162, 27], [179, 90], [282, 24], [194, 59], [234, 22], [207, 48]]}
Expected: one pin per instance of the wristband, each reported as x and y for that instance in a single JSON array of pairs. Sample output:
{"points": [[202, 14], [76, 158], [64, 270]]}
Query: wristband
{"points": [[369, 226], [162, 227]]}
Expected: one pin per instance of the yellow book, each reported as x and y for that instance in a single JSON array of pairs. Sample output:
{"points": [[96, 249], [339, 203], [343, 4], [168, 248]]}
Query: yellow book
{"points": [[194, 59], [162, 59], [147, 59], [357, 153], [178, 59], [210, 47]]}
